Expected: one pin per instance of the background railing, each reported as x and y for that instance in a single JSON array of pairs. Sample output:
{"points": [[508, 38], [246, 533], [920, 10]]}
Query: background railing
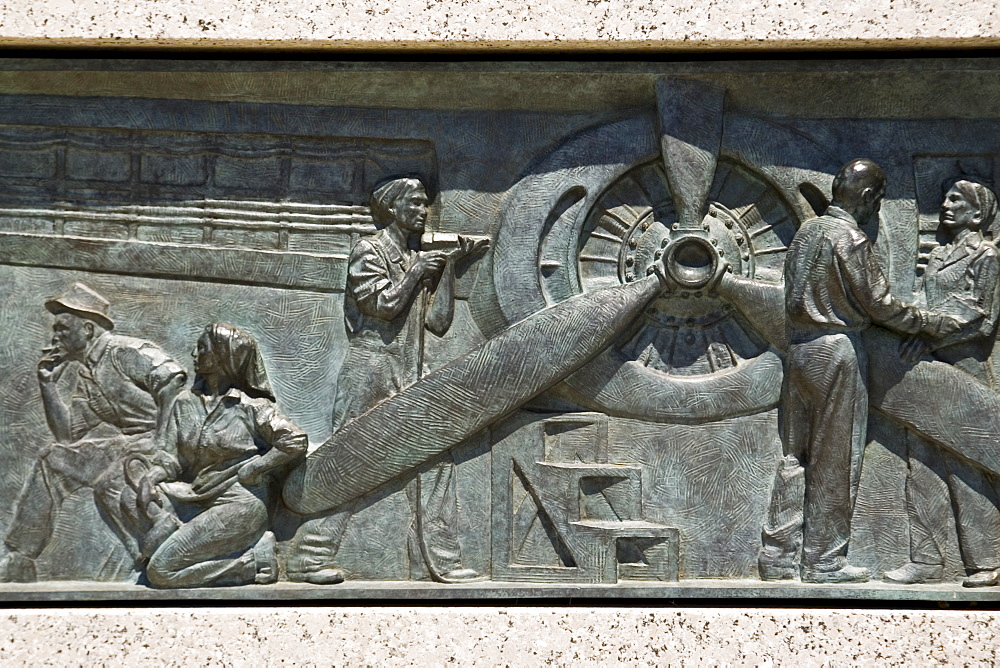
{"points": [[278, 210]]}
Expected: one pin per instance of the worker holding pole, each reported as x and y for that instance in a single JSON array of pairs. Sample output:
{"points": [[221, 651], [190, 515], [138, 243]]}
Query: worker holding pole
{"points": [[395, 293]]}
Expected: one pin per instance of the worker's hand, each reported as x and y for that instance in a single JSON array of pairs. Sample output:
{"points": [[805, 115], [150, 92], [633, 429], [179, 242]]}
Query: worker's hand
{"points": [[251, 473], [51, 365], [949, 326], [912, 349], [148, 493], [430, 263], [471, 248]]}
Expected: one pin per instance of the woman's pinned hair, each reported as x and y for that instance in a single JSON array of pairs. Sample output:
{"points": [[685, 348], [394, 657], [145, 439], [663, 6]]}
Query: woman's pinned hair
{"points": [[980, 196], [384, 197], [239, 361]]}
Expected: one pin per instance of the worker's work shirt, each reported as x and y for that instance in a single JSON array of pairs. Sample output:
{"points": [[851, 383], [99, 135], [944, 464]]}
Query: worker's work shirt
{"points": [[833, 282], [214, 436], [384, 352], [962, 281], [376, 265], [117, 384]]}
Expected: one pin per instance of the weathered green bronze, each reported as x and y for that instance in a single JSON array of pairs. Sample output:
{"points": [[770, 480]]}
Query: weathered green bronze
{"points": [[486, 330]]}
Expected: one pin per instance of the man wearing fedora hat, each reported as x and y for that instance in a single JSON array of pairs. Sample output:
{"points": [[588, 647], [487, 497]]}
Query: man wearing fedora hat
{"points": [[124, 390]]}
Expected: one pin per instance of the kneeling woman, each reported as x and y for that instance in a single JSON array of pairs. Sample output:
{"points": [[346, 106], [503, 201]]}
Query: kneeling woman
{"points": [[228, 435]]}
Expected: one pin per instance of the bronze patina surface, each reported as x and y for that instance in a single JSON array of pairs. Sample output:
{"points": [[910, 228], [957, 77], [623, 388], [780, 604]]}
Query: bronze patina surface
{"points": [[285, 330]]}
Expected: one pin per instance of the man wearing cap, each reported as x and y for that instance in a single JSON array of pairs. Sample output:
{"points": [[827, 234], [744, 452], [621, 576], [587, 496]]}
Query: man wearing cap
{"points": [[124, 390]]}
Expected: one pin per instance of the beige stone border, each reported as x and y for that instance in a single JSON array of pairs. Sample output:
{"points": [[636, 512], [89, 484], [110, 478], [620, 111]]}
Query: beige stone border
{"points": [[523, 48], [515, 636], [481, 635], [542, 25]]}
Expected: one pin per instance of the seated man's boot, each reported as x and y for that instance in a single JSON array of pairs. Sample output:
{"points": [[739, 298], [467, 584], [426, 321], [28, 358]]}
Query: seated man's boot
{"points": [[983, 579], [17, 567], [915, 573]]}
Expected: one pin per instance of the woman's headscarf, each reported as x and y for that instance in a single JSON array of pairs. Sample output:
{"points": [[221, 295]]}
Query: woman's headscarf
{"points": [[239, 361], [982, 198], [384, 198]]}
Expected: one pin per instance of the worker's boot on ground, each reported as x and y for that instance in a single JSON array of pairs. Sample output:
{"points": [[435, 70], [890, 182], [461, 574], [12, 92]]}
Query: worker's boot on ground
{"points": [[845, 575], [915, 573], [775, 572], [983, 579], [17, 567]]}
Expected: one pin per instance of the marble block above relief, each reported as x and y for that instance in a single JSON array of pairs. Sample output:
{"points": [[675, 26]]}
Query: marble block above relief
{"points": [[498, 330]]}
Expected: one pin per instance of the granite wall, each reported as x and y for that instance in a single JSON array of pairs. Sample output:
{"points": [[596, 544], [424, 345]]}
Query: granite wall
{"points": [[398, 635]]}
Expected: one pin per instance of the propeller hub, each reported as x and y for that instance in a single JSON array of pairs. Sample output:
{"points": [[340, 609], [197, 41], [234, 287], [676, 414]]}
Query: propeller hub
{"points": [[691, 260]]}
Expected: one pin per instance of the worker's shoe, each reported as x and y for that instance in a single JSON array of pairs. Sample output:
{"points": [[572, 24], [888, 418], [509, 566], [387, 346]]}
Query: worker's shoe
{"points": [[845, 575], [915, 573], [322, 576], [983, 579], [460, 575], [17, 567], [774, 572]]}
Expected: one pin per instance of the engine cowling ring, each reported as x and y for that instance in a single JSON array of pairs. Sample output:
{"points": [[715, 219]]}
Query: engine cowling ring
{"points": [[543, 234]]}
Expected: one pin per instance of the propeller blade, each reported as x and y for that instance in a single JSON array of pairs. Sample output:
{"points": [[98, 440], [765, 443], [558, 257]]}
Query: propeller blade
{"points": [[691, 123], [458, 400]]}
